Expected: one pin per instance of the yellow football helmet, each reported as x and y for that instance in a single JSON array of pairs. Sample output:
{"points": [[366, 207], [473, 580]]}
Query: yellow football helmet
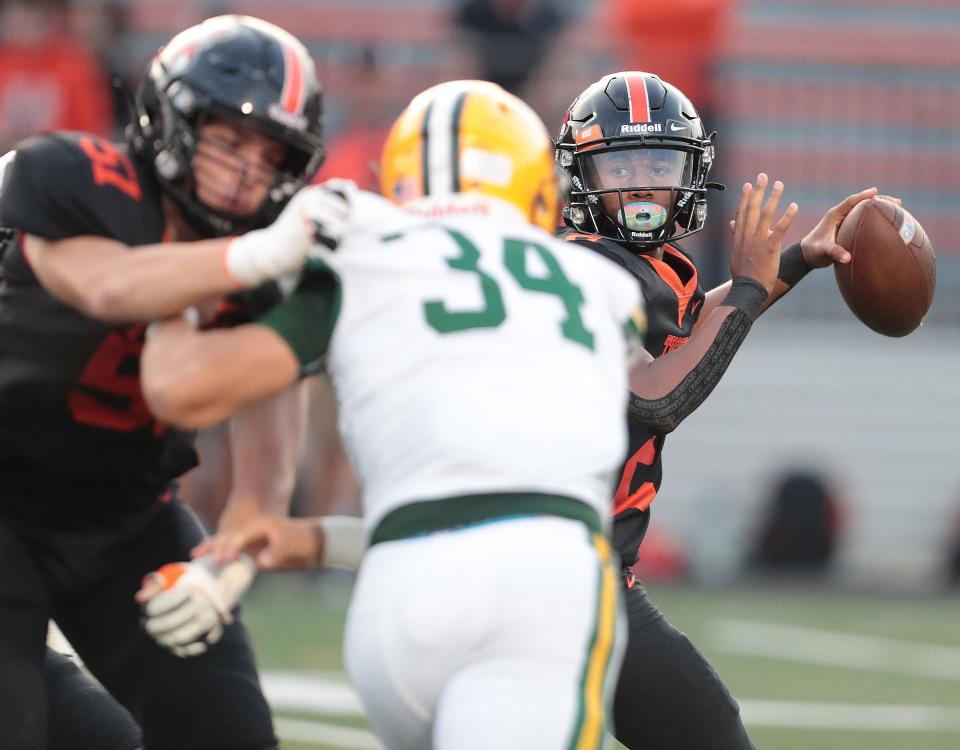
{"points": [[472, 137]]}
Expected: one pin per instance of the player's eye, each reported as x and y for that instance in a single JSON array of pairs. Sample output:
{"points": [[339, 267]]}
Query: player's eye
{"points": [[224, 138], [620, 173], [230, 141], [275, 156]]}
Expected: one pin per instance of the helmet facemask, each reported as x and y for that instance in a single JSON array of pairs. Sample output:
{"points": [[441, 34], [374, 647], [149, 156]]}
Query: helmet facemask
{"points": [[181, 119], [651, 130], [638, 193]]}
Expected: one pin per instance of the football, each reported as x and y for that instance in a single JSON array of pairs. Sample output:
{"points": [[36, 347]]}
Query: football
{"points": [[890, 280]]}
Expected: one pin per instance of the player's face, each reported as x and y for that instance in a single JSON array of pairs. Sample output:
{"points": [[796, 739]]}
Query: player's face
{"points": [[635, 171], [234, 167]]}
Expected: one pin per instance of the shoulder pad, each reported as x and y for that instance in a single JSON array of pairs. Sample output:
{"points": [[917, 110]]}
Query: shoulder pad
{"points": [[67, 184], [589, 240], [605, 247]]}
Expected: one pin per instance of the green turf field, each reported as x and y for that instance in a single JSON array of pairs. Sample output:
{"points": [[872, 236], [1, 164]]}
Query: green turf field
{"points": [[811, 669]]}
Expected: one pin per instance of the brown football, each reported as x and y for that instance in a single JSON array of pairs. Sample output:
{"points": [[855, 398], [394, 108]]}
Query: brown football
{"points": [[889, 283]]}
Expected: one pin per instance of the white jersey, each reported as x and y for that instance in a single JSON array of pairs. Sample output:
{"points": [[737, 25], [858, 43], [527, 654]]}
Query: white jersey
{"points": [[474, 353]]}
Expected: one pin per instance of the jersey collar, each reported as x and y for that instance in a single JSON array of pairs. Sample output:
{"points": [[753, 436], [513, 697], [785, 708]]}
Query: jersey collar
{"points": [[466, 204]]}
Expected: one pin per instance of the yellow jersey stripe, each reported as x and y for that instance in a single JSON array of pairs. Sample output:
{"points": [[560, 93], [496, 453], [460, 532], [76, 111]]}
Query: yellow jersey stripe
{"points": [[589, 732]]}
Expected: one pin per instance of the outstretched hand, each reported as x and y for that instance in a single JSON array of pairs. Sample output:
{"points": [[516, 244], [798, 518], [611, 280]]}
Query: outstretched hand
{"points": [[274, 543], [756, 246]]}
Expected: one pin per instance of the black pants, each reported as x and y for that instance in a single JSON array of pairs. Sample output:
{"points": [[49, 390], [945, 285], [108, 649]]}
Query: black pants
{"points": [[85, 576], [82, 715], [668, 697]]}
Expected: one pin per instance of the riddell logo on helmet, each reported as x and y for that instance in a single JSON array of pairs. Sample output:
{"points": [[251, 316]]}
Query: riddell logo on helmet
{"points": [[289, 119], [641, 128]]}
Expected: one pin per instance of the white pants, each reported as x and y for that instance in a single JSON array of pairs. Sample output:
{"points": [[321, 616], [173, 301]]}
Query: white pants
{"points": [[499, 636]]}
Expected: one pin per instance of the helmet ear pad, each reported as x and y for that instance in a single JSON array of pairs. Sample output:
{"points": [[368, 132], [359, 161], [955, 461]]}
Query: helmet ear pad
{"points": [[173, 160], [693, 217], [166, 134], [691, 208]]}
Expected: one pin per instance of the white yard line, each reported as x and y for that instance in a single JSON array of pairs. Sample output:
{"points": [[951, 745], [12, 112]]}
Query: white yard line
{"points": [[315, 692], [317, 733], [832, 648], [329, 694], [849, 716]]}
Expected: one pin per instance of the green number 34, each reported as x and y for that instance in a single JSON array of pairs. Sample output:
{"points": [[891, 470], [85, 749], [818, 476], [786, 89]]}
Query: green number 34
{"points": [[493, 313]]}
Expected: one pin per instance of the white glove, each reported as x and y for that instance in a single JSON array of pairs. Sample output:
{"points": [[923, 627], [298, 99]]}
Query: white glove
{"points": [[189, 614], [316, 214]]}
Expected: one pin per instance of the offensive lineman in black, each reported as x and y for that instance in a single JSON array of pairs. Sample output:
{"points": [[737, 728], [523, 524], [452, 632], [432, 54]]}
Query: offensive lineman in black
{"points": [[638, 156], [228, 129]]}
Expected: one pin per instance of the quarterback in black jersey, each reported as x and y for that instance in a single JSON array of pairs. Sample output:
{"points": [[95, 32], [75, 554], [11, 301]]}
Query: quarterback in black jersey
{"points": [[637, 157], [203, 203]]}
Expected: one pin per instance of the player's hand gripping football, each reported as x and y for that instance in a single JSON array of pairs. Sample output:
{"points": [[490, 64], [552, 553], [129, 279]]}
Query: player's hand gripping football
{"points": [[186, 604], [756, 239], [819, 247], [316, 214]]}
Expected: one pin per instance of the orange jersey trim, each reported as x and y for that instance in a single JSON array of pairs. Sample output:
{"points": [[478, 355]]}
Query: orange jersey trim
{"points": [[581, 236], [623, 499], [683, 291]]}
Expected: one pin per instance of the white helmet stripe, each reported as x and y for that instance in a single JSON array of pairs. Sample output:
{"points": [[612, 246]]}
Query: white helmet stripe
{"points": [[441, 148]]}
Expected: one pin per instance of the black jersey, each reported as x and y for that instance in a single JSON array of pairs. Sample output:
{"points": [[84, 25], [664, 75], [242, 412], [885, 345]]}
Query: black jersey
{"points": [[73, 421], [673, 298]]}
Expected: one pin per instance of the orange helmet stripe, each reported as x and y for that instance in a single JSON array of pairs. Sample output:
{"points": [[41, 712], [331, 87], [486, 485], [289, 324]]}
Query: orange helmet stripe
{"points": [[292, 96], [637, 95]]}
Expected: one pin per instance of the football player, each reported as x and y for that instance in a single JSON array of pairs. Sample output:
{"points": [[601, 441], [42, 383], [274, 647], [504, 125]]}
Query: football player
{"points": [[638, 159], [99, 238], [481, 370]]}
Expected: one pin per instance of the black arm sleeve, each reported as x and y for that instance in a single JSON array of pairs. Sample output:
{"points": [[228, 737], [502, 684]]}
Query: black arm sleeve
{"points": [[666, 413], [306, 319], [793, 266]]}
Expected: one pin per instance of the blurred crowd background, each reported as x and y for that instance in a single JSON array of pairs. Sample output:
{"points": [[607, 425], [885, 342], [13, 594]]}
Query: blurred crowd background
{"points": [[828, 451]]}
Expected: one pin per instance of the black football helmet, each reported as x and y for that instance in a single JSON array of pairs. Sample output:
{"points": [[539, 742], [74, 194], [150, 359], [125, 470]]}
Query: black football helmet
{"points": [[637, 157], [239, 69]]}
